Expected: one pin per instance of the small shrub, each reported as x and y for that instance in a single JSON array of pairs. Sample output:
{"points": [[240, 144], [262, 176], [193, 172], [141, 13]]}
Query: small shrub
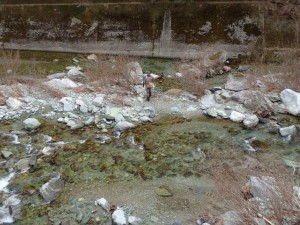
{"points": [[194, 74], [109, 70]]}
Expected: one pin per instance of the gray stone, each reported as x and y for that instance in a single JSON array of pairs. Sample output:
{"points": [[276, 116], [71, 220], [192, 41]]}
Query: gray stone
{"points": [[243, 68], [149, 111], [274, 97], [174, 110], [263, 187], [207, 101], [111, 113], [92, 57], [23, 164], [31, 124], [145, 119], [255, 101], [98, 100], [250, 121], [286, 131], [50, 190], [119, 117], [6, 154], [212, 112]]}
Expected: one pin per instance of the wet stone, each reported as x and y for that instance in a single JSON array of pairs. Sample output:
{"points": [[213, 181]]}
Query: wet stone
{"points": [[23, 164], [6, 154]]}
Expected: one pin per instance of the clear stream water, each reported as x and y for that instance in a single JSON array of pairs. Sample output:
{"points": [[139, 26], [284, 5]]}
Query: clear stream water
{"points": [[127, 170]]}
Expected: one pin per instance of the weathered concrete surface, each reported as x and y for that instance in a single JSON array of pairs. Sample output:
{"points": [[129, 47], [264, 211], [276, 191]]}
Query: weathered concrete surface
{"points": [[159, 29]]}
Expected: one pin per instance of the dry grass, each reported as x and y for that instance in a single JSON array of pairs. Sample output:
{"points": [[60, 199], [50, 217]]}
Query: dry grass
{"points": [[18, 86], [194, 74], [279, 71], [281, 202], [10, 62], [110, 70]]}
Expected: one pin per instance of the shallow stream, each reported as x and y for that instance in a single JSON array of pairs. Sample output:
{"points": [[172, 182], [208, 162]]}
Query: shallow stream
{"points": [[173, 152]]}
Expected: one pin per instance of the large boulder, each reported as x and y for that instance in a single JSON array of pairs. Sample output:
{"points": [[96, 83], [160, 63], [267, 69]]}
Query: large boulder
{"points": [[134, 72], [254, 101], [291, 100]]}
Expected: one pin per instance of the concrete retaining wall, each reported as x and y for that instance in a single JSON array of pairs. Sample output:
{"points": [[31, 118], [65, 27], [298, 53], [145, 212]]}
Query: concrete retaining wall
{"points": [[160, 29]]}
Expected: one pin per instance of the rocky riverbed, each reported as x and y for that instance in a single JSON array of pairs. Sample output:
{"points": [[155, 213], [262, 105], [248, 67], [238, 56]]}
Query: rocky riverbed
{"points": [[106, 156]]}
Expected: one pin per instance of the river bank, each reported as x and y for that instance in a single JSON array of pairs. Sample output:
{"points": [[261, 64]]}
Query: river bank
{"points": [[66, 143]]}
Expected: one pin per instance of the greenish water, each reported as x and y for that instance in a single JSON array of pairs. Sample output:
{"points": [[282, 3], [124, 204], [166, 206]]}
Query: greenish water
{"points": [[168, 146]]}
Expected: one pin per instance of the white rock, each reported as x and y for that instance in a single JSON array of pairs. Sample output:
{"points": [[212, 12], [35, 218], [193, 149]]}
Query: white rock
{"points": [[69, 103], [56, 76], [31, 123], [286, 131], [123, 125], [98, 100], [48, 150], [178, 74], [296, 190], [14, 103], [119, 217], [92, 57], [103, 203], [237, 116], [62, 83], [291, 100], [250, 121]]}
